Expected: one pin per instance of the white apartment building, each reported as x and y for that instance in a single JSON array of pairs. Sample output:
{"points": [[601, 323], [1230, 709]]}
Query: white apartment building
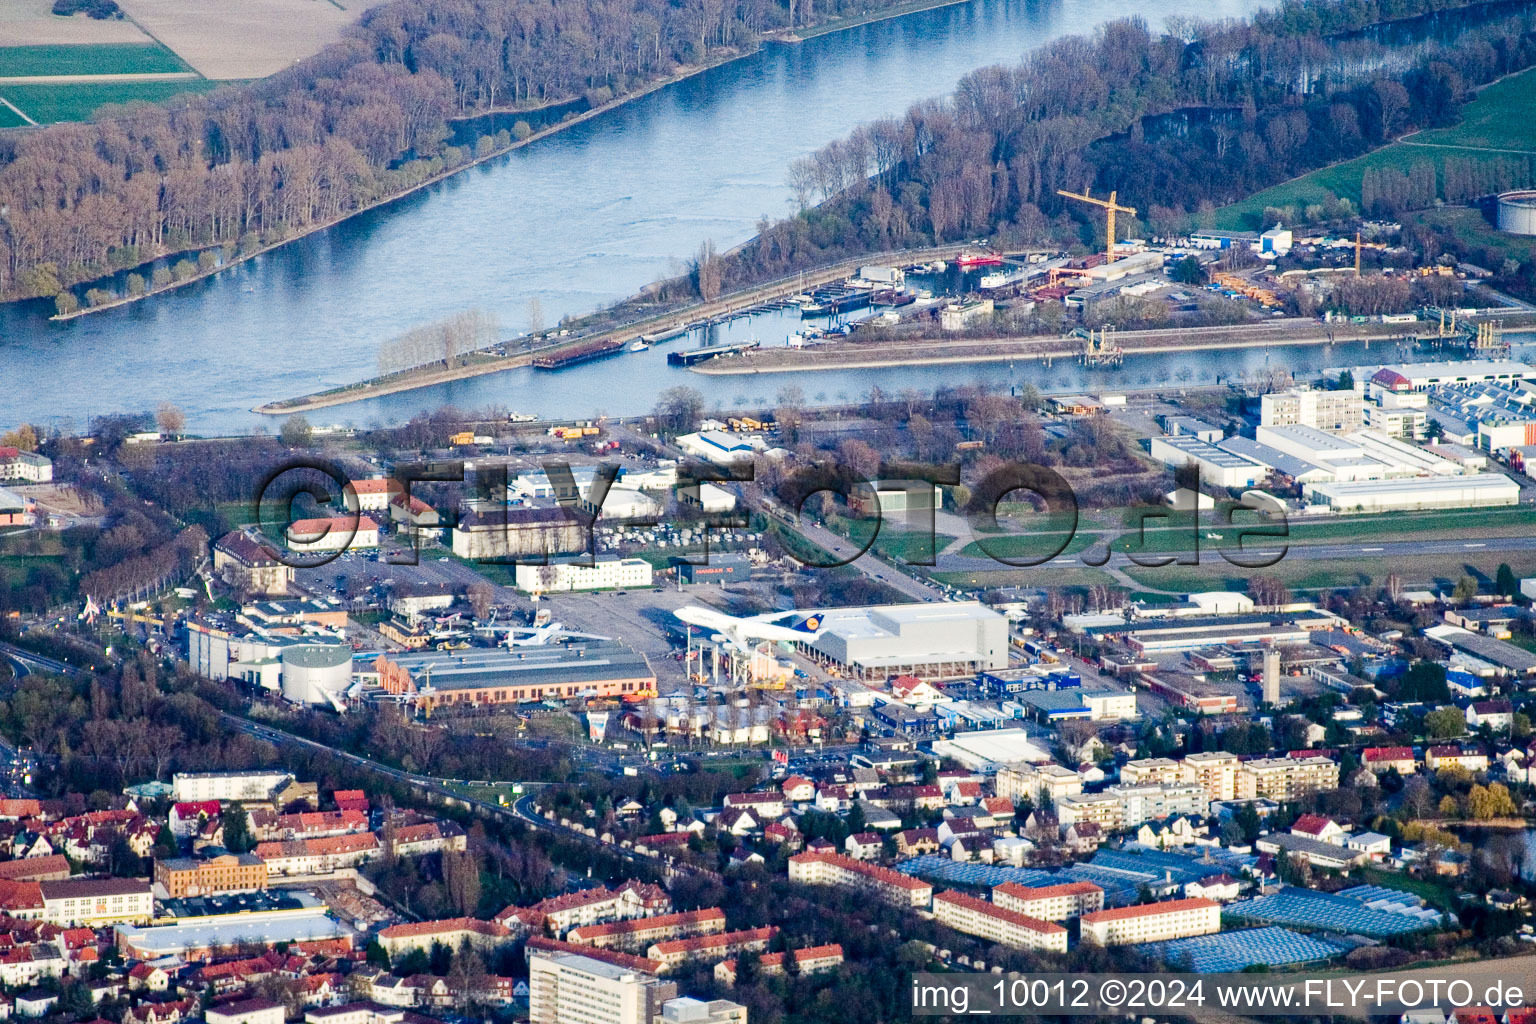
{"points": [[1125, 806], [1102, 809], [602, 574], [1151, 771], [1215, 771], [992, 923], [1036, 782], [1285, 778], [1049, 902], [836, 869], [1151, 802], [1336, 412], [97, 903], [564, 988], [17, 466], [1153, 922], [193, 787], [247, 1011]]}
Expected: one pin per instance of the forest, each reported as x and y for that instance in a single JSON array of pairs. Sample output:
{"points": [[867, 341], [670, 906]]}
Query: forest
{"points": [[1180, 123], [228, 172]]}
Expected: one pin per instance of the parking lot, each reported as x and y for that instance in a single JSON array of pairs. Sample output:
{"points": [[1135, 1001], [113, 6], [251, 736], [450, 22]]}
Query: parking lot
{"points": [[363, 569]]}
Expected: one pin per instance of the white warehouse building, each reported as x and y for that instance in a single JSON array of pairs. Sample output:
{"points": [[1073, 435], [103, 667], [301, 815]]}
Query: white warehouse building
{"points": [[1217, 467], [930, 641], [1482, 491], [602, 574]]}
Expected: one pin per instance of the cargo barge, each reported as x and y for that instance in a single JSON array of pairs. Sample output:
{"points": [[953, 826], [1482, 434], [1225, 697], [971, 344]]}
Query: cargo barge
{"points": [[578, 354]]}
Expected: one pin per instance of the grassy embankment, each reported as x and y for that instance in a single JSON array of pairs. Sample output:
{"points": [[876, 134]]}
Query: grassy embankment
{"points": [[1496, 125]]}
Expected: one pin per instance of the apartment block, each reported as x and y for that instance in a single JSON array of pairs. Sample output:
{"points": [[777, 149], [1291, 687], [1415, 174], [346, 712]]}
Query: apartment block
{"points": [[1285, 778], [1036, 782], [1214, 771], [836, 869], [1152, 922], [638, 933], [675, 952], [992, 923], [1049, 902], [1154, 802], [1152, 771], [1102, 809]]}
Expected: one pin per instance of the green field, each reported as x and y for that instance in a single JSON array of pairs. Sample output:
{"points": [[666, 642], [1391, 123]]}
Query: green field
{"points": [[46, 104], [1416, 571], [9, 118], [89, 59], [1495, 125]]}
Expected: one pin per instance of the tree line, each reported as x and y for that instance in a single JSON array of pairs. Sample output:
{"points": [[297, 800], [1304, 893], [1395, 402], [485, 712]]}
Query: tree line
{"points": [[366, 118], [1179, 122]]}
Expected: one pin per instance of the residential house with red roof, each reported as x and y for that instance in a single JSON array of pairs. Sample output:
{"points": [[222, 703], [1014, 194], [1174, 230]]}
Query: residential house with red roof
{"points": [[1382, 759]]}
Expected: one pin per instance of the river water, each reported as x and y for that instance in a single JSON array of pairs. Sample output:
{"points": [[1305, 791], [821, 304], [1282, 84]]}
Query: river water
{"points": [[578, 220]]}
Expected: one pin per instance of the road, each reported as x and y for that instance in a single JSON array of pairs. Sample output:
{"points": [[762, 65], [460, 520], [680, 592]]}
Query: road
{"points": [[26, 661]]}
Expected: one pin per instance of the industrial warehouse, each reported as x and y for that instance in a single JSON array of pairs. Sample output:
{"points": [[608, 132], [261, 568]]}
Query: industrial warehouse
{"points": [[1364, 448]]}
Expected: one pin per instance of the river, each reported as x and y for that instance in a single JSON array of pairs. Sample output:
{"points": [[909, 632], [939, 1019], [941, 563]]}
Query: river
{"points": [[578, 220]]}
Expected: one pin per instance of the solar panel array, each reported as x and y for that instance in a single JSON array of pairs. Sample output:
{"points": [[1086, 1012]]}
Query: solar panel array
{"points": [[1178, 867], [1119, 887], [1233, 951], [1306, 908]]}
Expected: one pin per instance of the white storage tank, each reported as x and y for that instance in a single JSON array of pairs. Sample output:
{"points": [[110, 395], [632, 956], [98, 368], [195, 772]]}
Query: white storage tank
{"points": [[313, 673], [1517, 212]]}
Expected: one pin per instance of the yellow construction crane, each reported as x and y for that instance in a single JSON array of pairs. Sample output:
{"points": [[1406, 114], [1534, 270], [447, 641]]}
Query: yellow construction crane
{"points": [[1110, 209]]}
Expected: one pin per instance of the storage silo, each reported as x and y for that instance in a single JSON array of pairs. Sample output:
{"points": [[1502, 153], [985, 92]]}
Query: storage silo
{"points": [[1517, 212], [316, 673]]}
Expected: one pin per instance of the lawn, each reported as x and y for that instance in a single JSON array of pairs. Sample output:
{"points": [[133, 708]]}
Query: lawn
{"points": [[89, 59], [1450, 525], [1442, 571], [10, 119], [1498, 119], [46, 104]]}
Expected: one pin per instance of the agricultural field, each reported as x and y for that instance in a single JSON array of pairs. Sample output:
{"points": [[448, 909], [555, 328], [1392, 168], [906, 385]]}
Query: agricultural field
{"points": [[249, 39], [46, 104], [95, 59], [33, 23], [1495, 126]]}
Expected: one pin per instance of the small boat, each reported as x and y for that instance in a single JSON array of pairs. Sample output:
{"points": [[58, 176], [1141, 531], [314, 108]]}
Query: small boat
{"points": [[978, 259], [639, 346]]}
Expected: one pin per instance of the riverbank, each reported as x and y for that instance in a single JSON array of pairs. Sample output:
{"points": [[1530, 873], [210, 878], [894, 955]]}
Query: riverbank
{"points": [[484, 362], [688, 71], [938, 351], [854, 21], [683, 73]]}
